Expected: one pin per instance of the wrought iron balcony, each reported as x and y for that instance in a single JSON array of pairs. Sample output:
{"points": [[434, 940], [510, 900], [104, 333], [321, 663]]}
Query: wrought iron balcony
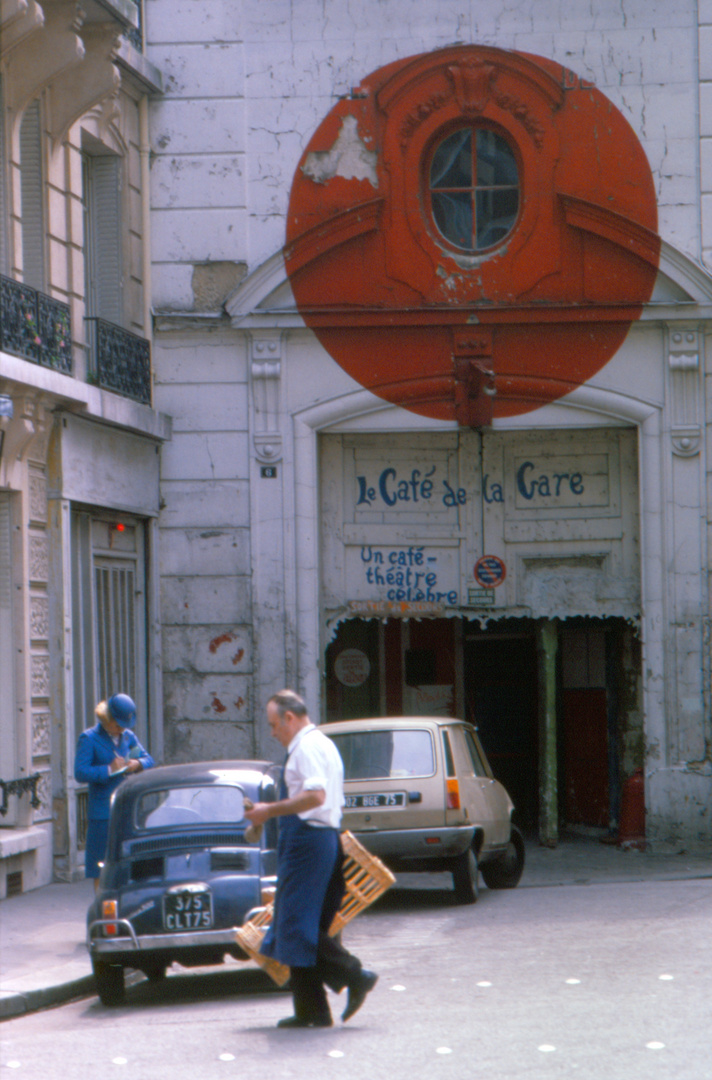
{"points": [[121, 361], [34, 326]]}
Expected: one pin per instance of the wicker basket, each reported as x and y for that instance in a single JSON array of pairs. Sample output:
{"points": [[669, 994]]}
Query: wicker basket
{"points": [[366, 879]]}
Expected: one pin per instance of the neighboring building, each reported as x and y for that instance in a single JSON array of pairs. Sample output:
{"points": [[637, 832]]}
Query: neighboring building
{"points": [[79, 438], [431, 312]]}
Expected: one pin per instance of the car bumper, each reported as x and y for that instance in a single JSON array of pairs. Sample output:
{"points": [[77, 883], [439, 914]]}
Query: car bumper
{"points": [[128, 941], [417, 844]]}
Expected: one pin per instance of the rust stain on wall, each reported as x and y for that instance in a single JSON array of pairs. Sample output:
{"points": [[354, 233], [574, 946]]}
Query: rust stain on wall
{"points": [[222, 639]]}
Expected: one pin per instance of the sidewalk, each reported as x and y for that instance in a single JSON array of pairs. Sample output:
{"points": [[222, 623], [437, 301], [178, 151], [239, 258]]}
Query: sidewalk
{"points": [[44, 960]]}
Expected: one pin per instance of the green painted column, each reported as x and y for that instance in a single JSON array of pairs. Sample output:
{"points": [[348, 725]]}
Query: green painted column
{"points": [[547, 644]]}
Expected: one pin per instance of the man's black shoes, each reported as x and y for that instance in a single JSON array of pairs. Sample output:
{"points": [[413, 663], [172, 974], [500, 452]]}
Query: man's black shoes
{"points": [[362, 985], [298, 1022]]}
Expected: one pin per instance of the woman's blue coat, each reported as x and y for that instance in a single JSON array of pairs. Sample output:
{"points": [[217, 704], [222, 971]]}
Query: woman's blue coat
{"points": [[95, 752]]}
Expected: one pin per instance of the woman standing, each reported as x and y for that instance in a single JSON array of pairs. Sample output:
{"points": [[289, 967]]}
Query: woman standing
{"points": [[105, 754]]}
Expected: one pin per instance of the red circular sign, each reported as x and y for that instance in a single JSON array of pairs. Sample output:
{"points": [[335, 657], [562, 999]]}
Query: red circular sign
{"points": [[453, 334], [490, 571]]}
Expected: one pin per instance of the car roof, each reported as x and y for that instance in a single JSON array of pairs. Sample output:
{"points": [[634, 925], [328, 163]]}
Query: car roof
{"points": [[197, 772], [339, 727]]}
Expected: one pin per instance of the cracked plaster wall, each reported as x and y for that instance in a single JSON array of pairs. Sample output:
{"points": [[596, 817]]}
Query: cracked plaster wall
{"points": [[246, 85]]}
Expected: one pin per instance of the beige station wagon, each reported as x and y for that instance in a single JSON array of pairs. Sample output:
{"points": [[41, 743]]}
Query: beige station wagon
{"points": [[421, 796]]}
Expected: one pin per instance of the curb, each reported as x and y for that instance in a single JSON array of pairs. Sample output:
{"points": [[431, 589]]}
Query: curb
{"points": [[33, 1000]]}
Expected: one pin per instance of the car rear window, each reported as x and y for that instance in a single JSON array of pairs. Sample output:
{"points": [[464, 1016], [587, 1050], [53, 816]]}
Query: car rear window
{"points": [[211, 804], [375, 755]]}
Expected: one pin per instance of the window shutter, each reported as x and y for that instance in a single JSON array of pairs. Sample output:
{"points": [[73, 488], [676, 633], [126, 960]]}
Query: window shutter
{"points": [[8, 740], [31, 190], [103, 240]]}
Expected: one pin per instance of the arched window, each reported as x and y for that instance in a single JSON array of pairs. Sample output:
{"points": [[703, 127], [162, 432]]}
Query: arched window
{"points": [[474, 189]]}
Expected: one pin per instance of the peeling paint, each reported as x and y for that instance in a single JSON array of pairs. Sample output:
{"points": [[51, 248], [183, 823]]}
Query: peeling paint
{"points": [[349, 158]]}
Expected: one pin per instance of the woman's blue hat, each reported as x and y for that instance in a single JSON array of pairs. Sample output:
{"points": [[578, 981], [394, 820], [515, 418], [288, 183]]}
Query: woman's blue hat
{"points": [[122, 709]]}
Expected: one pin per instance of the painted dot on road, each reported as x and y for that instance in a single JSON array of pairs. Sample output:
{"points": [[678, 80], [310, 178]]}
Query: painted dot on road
{"points": [[484, 983], [14, 1064], [573, 982], [398, 987], [443, 1050], [336, 1053], [226, 1057], [119, 1061], [546, 1048], [666, 978], [655, 1046]]}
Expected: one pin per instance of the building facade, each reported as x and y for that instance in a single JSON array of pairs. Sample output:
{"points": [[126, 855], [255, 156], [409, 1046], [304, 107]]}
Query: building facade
{"points": [[79, 436], [431, 309]]}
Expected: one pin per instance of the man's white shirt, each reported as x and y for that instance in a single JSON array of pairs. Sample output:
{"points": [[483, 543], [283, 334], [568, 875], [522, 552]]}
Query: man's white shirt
{"points": [[315, 764]]}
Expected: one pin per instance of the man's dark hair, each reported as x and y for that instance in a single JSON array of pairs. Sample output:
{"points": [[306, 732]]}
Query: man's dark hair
{"points": [[289, 701]]}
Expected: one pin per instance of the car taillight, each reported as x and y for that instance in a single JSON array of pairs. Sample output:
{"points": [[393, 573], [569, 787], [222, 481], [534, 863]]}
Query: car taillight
{"points": [[453, 794], [110, 910]]}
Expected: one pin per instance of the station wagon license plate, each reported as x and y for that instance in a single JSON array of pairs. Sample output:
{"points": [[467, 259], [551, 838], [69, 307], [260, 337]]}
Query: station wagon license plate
{"points": [[375, 799], [188, 911]]}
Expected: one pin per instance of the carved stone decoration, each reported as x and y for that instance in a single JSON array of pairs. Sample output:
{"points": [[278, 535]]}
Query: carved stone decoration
{"points": [[39, 558], [41, 735], [38, 495], [684, 364], [44, 794], [44, 55], [96, 79], [39, 618], [39, 675], [472, 83], [265, 376]]}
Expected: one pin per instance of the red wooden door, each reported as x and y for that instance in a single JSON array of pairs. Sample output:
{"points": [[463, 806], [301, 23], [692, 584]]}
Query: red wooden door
{"points": [[585, 731]]}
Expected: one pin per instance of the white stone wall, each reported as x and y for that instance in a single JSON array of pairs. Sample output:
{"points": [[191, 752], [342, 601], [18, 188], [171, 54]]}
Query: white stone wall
{"points": [[247, 84]]}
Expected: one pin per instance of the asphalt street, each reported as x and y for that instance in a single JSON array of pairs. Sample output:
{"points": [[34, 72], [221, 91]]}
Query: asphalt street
{"points": [[604, 981]]}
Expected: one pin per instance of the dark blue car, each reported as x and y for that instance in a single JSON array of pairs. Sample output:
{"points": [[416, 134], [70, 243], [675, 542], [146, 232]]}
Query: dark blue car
{"points": [[180, 875]]}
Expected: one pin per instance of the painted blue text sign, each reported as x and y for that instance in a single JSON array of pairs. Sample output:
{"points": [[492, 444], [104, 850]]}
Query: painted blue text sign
{"points": [[415, 486]]}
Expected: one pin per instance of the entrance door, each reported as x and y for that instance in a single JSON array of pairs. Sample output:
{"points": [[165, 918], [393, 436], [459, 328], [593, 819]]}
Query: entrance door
{"points": [[394, 667], [500, 672], [109, 614], [584, 727]]}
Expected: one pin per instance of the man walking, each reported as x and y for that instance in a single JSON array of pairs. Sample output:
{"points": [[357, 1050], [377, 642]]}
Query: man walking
{"points": [[310, 882]]}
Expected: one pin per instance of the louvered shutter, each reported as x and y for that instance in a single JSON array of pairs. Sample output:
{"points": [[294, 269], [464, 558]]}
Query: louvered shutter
{"points": [[31, 191], [103, 241], [3, 197]]}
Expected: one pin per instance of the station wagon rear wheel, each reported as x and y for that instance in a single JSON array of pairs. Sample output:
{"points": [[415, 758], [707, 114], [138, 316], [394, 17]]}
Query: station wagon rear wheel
{"points": [[465, 873], [109, 979], [506, 872]]}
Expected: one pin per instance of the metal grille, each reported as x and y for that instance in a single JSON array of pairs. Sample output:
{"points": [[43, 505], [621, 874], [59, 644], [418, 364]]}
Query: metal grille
{"points": [[196, 840], [34, 326], [115, 610], [122, 361], [135, 35]]}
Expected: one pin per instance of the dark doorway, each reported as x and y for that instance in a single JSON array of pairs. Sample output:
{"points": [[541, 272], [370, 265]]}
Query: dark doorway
{"points": [[501, 694]]}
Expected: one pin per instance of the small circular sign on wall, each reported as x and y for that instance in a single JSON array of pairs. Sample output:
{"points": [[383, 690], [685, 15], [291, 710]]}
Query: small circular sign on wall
{"points": [[352, 667], [490, 571]]}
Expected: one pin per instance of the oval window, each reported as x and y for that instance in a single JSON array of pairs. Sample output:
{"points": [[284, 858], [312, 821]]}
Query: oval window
{"points": [[474, 189]]}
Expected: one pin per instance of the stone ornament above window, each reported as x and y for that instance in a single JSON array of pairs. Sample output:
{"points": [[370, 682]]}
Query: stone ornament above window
{"points": [[472, 186]]}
